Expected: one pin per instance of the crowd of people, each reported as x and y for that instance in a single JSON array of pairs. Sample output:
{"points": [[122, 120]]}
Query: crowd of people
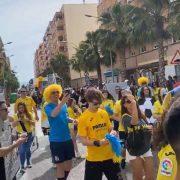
{"points": [[144, 119]]}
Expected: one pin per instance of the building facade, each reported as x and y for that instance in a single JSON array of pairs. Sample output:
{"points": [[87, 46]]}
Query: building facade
{"points": [[63, 35], [144, 60]]}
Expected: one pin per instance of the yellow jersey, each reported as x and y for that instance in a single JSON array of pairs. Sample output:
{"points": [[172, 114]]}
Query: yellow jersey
{"points": [[168, 164], [29, 127], [28, 101], [117, 112], [95, 126], [107, 102], [157, 108], [43, 114]]}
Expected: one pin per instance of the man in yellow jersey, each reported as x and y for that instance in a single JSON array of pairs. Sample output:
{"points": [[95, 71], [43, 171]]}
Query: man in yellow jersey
{"points": [[29, 102], [93, 125], [172, 132]]}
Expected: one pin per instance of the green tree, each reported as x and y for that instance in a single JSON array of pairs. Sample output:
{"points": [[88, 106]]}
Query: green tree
{"points": [[115, 33], [174, 19], [11, 81], [61, 66], [148, 24], [90, 56]]}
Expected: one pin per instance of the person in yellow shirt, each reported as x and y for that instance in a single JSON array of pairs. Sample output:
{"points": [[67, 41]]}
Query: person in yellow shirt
{"points": [[107, 100], [44, 120], [172, 131], [158, 107], [29, 102], [73, 112], [167, 164], [93, 125], [24, 125]]}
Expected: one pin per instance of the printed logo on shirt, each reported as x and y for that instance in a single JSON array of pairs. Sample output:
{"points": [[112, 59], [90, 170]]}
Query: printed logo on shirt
{"points": [[98, 126], [166, 167], [56, 158]]}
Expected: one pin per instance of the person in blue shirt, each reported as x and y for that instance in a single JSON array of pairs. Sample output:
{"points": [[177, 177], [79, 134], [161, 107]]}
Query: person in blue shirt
{"points": [[61, 144]]}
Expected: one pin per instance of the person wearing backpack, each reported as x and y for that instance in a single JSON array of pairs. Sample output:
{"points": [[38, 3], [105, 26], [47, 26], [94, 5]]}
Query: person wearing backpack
{"points": [[138, 137]]}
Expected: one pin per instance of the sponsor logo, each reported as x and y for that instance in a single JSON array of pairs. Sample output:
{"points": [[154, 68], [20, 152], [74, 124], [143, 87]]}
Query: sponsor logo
{"points": [[166, 167]]}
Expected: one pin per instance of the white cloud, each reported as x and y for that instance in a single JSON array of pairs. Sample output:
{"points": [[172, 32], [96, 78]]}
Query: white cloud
{"points": [[24, 22]]}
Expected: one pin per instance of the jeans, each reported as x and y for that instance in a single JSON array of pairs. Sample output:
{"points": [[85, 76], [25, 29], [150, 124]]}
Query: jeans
{"points": [[25, 150]]}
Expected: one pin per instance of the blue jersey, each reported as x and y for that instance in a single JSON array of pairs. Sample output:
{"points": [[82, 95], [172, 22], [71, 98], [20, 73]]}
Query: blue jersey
{"points": [[59, 130]]}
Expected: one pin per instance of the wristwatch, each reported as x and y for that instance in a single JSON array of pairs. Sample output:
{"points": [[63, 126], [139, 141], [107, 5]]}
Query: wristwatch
{"points": [[97, 143]]}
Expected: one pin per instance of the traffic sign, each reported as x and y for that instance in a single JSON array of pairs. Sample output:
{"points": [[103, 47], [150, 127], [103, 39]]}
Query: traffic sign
{"points": [[176, 58]]}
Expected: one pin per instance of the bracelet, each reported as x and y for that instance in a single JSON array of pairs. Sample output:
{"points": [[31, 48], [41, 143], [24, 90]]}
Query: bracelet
{"points": [[97, 143]]}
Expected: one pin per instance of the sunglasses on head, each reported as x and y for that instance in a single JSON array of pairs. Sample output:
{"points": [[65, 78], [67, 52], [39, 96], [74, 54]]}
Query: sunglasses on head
{"points": [[55, 92]]}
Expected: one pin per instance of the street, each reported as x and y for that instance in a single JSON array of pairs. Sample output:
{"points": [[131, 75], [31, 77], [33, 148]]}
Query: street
{"points": [[42, 167]]}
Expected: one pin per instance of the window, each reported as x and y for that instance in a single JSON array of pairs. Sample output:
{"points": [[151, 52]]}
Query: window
{"points": [[143, 49], [60, 38], [60, 28], [132, 53], [61, 48], [155, 46]]}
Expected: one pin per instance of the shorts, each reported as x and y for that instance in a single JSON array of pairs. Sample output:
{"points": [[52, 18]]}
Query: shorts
{"points": [[95, 170], [62, 151], [147, 154]]}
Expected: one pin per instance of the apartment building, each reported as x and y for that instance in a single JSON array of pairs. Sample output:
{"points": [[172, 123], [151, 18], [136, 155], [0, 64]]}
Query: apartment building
{"points": [[63, 35], [144, 60]]}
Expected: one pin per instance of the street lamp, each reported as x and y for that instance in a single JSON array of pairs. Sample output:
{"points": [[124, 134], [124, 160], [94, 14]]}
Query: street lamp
{"points": [[7, 43]]}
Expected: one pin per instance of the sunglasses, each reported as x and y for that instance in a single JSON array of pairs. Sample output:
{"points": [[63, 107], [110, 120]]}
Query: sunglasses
{"points": [[23, 91], [55, 92]]}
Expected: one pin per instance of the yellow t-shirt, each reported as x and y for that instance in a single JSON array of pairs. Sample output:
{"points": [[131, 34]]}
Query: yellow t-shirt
{"points": [[71, 113], [117, 111], [168, 164], [167, 102], [157, 109], [155, 93], [107, 102], [94, 126], [27, 125], [43, 114], [28, 101]]}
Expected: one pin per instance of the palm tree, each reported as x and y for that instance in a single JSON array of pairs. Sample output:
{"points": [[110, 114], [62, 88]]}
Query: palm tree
{"points": [[60, 65], [90, 56], [174, 19], [147, 24], [115, 32]]}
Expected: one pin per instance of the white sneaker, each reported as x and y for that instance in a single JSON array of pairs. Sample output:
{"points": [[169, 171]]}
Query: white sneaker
{"points": [[78, 155]]}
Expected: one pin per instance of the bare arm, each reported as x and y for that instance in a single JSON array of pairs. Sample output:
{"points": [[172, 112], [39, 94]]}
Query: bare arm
{"points": [[6, 150], [56, 111], [86, 142], [135, 118]]}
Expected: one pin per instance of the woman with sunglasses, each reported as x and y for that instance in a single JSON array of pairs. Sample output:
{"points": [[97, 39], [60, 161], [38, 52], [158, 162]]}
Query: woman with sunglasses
{"points": [[132, 119], [146, 102], [24, 125], [93, 125], [61, 144]]}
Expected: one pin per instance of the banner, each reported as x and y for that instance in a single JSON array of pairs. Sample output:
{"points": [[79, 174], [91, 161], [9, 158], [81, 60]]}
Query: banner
{"points": [[113, 87]]}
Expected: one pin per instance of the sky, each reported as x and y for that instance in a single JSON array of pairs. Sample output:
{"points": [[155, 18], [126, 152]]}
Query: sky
{"points": [[24, 23]]}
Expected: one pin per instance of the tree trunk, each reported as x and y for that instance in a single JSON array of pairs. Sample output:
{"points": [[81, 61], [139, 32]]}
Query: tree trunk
{"points": [[161, 71], [99, 73], [122, 59]]}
